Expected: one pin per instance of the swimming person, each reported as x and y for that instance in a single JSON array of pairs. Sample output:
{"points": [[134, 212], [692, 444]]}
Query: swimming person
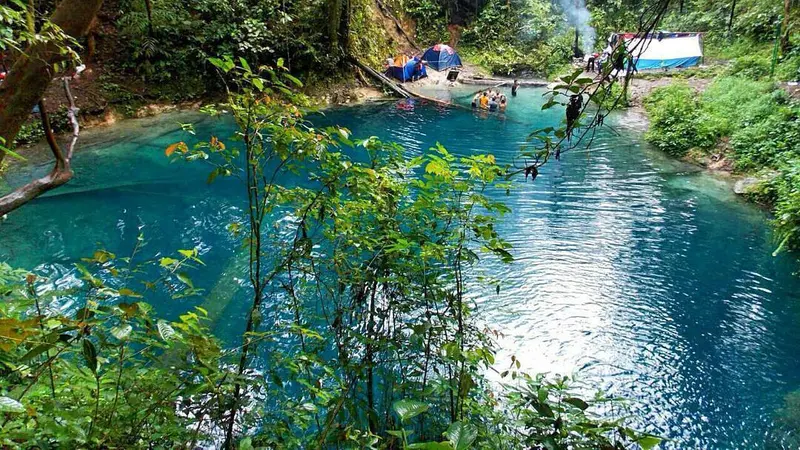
{"points": [[503, 102], [493, 104], [514, 88], [475, 100], [484, 101]]}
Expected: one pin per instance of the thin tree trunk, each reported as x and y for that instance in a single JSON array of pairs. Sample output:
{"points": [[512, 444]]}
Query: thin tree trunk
{"points": [[334, 21], [730, 19], [30, 16], [787, 9], [32, 72], [148, 5]]}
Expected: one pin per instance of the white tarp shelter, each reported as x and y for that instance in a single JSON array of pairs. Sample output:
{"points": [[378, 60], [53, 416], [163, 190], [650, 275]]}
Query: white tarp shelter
{"points": [[663, 50]]}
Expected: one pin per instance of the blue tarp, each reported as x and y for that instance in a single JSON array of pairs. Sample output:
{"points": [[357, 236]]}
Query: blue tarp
{"points": [[674, 63], [441, 57], [408, 71]]}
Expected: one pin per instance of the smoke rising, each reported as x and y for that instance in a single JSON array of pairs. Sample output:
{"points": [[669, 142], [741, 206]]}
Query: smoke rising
{"points": [[578, 17]]}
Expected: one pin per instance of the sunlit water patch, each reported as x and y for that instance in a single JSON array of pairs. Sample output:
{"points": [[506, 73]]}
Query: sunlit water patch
{"points": [[642, 275]]}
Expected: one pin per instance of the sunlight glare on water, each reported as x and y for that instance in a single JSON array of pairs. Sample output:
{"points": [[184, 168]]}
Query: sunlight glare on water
{"points": [[640, 274]]}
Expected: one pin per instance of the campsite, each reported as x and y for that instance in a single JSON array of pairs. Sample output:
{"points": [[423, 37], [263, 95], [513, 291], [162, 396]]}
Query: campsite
{"points": [[391, 225]]}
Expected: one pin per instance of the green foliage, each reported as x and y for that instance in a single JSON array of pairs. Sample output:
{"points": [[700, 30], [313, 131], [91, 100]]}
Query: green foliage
{"points": [[32, 132], [730, 103], [171, 52], [786, 189], [768, 142], [545, 60], [761, 125], [101, 376], [430, 20], [676, 121], [553, 416]]}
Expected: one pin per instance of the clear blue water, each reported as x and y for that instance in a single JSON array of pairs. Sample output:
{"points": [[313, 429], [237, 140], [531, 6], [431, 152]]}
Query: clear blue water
{"points": [[640, 274]]}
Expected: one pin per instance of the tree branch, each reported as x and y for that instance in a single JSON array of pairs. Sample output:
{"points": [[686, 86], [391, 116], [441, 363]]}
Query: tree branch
{"points": [[62, 169]]}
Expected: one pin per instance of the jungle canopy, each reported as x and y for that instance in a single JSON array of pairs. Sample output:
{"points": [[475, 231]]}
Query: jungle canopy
{"points": [[664, 50], [441, 57]]}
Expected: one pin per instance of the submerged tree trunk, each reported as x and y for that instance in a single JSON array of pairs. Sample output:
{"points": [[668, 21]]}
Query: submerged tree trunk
{"points": [[32, 72]]}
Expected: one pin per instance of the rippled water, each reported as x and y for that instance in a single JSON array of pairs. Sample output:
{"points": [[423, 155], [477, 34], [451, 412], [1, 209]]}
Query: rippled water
{"points": [[642, 275]]}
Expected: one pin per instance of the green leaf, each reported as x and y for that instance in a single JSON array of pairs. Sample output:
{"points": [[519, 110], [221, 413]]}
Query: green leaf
{"points": [[649, 442], [258, 83], [128, 293], [544, 409], [188, 253], [166, 262], [165, 330], [122, 332], [9, 405], [294, 80], [185, 279], [12, 153], [245, 66], [461, 435], [431, 446], [90, 355], [408, 409], [36, 351], [218, 63], [246, 444], [577, 402]]}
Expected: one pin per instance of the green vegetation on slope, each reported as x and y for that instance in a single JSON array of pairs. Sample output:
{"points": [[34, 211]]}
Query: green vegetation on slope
{"points": [[760, 124]]}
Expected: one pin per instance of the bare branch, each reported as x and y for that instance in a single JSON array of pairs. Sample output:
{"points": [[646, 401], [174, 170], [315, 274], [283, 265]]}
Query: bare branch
{"points": [[62, 169]]}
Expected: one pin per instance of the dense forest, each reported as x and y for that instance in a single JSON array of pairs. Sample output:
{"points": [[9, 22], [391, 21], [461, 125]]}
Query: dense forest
{"points": [[360, 330]]}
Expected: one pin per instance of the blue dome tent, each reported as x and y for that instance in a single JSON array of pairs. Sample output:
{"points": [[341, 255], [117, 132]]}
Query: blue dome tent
{"points": [[406, 69], [441, 57]]}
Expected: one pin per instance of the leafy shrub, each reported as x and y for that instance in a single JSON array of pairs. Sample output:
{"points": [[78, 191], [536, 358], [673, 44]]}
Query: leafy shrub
{"points": [[786, 188], [755, 66], [676, 120], [733, 102], [429, 16], [788, 69], [32, 131], [542, 60], [768, 142]]}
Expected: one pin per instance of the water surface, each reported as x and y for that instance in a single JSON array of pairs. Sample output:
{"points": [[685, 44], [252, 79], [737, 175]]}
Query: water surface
{"points": [[641, 274]]}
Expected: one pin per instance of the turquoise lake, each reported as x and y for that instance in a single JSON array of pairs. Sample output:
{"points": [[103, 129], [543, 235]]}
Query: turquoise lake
{"points": [[642, 275]]}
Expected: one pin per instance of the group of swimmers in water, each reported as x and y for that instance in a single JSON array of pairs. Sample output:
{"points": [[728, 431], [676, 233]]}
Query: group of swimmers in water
{"points": [[490, 100]]}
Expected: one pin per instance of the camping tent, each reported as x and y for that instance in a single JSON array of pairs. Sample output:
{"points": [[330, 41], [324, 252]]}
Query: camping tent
{"points": [[441, 57], [665, 50], [405, 68]]}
